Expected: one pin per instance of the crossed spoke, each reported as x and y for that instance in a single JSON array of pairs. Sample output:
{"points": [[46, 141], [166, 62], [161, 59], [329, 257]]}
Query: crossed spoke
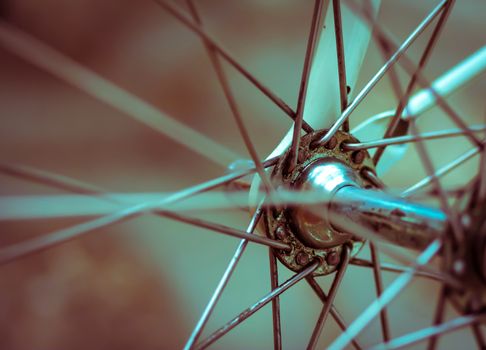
{"points": [[230, 59], [426, 333], [257, 306], [330, 299], [381, 72], [395, 128], [395, 288]]}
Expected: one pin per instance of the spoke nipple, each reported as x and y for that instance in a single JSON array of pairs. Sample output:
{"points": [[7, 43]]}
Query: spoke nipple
{"points": [[332, 259], [358, 156], [332, 143], [281, 233], [302, 258]]}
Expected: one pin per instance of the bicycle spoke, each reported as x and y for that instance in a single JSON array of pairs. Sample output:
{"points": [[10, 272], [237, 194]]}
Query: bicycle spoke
{"points": [[385, 328], [338, 31], [75, 186], [395, 288], [334, 312], [66, 69], [386, 52], [444, 170], [410, 68], [229, 58], [223, 80], [309, 54], [423, 334], [330, 299], [57, 237], [277, 329], [381, 72], [19, 250], [196, 333], [447, 83], [257, 306], [411, 138], [452, 216], [43, 177], [437, 276], [52, 239], [394, 128], [214, 227], [438, 317]]}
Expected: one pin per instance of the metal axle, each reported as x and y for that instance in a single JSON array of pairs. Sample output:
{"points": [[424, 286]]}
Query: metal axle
{"points": [[394, 219]]}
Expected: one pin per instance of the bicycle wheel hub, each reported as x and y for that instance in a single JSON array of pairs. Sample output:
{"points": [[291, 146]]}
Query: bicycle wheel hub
{"points": [[322, 169]]}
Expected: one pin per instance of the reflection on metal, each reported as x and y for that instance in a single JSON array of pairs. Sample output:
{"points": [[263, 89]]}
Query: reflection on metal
{"points": [[325, 176], [406, 224]]}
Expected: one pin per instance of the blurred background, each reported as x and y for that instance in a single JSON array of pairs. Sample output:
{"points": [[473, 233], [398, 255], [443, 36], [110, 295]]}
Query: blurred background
{"points": [[144, 283]]}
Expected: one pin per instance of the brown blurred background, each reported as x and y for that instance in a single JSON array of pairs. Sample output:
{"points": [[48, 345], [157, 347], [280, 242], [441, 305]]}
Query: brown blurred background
{"points": [[143, 284]]}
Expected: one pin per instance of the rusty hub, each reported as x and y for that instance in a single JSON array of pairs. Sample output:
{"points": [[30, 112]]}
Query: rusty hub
{"points": [[324, 168]]}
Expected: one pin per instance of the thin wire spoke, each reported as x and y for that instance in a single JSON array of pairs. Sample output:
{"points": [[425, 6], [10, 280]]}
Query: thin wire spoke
{"points": [[57, 237], [257, 306], [395, 288], [49, 179], [410, 138], [309, 54], [229, 58], [394, 128], [67, 70], [330, 299], [456, 192], [383, 70], [425, 333], [375, 260], [452, 217], [208, 310], [334, 312], [410, 68], [442, 171], [437, 276], [277, 329], [223, 80], [54, 238], [438, 317], [65, 183], [338, 31], [215, 227], [386, 51]]}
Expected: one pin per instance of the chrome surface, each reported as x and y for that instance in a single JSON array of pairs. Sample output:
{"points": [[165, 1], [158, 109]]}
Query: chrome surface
{"points": [[312, 225], [396, 220]]}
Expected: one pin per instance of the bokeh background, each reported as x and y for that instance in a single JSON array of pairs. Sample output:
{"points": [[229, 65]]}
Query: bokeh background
{"points": [[143, 284]]}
